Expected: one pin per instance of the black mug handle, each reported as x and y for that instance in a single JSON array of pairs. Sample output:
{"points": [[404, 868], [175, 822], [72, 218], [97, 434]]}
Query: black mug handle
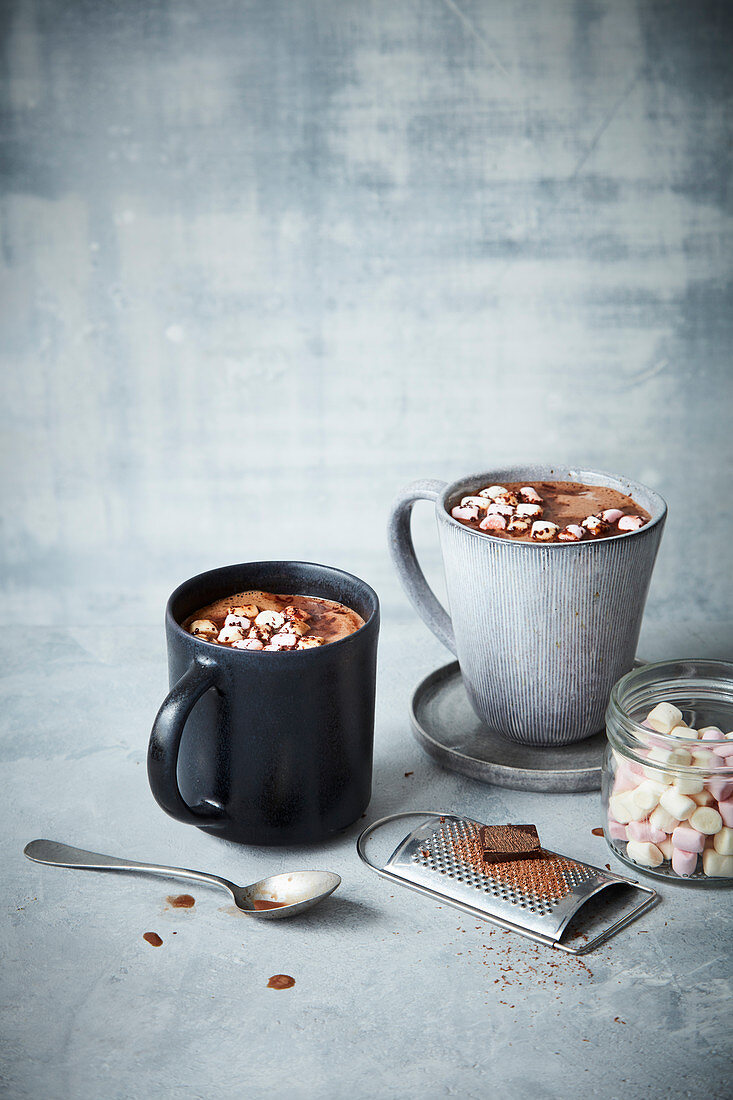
{"points": [[165, 740]]}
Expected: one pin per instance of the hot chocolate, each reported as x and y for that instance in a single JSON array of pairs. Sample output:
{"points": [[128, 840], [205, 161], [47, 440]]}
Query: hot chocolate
{"points": [[265, 621], [550, 511]]}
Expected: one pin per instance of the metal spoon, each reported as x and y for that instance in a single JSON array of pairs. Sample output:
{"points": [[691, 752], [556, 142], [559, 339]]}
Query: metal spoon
{"points": [[291, 893]]}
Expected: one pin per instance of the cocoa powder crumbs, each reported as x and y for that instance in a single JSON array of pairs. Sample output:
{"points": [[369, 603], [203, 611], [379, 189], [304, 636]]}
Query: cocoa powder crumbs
{"points": [[543, 877]]}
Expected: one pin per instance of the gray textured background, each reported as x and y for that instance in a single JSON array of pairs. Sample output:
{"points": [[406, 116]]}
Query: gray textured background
{"points": [[266, 261]]}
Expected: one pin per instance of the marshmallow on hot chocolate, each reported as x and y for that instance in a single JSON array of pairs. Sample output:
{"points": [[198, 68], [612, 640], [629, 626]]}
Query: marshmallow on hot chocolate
{"points": [[594, 525], [529, 495], [630, 523], [493, 491], [530, 510], [248, 643], [230, 634], [572, 533], [203, 626], [544, 531], [493, 522], [469, 513], [611, 515], [240, 621], [518, 525], [270, 619]]}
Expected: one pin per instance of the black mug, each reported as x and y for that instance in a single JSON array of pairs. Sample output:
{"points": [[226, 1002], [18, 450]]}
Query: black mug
{"points": [[267, 747]]}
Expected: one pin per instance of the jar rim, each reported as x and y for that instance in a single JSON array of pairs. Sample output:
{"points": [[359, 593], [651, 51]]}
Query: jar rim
{"points": [[652, 683]]}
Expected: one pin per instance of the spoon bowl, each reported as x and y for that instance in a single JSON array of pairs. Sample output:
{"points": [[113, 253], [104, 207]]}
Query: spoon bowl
{"points": [[271, 898]]}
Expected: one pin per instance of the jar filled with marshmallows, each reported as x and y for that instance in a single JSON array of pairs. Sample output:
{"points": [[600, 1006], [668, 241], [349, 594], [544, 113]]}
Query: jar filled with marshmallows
{"points": [[668, 770]]}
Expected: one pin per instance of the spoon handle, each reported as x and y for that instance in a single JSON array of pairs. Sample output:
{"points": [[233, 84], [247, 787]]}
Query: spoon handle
{"points": [[63, 855]]}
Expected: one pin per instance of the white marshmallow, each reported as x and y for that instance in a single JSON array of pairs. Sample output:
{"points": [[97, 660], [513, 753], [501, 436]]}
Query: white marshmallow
{"points": [[647, 794], [469, 513], [500, 510], [518, 525], [647, 854], [716, 865], [530, 495], [529, 510], [493, 491], [248, 643], [723, 842], [203, 626], [572, 533], [271, 619], [666, 848], [310, 643], [477, 502], [684, 731], [625, 809], [689, 785], [662, 819], [284, 641], [664, 717], [544, 531], [594, 524], [229, 634], [701, 758], [706, 820], [237, 620], [677, 804], [611, 515], [703, 798]]}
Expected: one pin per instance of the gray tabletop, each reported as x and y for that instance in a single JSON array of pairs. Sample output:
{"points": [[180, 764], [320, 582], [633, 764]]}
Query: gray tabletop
{"points": [[394, 995]]}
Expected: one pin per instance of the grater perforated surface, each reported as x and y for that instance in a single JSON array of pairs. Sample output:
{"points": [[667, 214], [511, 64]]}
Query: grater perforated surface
{"points": [[539, 895]]}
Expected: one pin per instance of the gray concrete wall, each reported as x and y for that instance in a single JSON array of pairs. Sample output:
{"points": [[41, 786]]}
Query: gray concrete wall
{"points": [[265, 261]]}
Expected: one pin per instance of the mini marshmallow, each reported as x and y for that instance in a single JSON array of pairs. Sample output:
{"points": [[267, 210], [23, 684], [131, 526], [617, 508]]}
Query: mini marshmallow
{"points": [[248, 643], [717, 866], [689, 785], [571, 533], [723, 842], [616, 830], [237, 620], [721, 789], [666, 848], [469, 513], [271, 619], [630, 523], [310, 643], [530, 510], [688, 839], [624, 809], [518, 525], [711, 733], [684, 731], [500, 510], [703, 798], [647, 795], [529, 495], [544, 531], [661, 819], [677, 804], [642, 830], [493, 491], [477, 502], [725, 809], [723, 749], [203, 626], [701, 758], [595, 525], [493, 523], [611, 515], [284, 641], [683, 863], [664, 717], [706, 820], [229, 634], [648, 855]]}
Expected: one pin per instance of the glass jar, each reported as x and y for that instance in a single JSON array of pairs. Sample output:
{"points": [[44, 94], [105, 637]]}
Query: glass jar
{"points": [[668, 783]]}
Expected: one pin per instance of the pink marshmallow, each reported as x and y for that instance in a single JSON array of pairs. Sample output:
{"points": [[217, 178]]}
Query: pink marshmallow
{"points": [[688, 839], [642, 830], [493, 523], [616, 830], [626, 779], [683, 863], [725, 809], [723, 749], [720, 788]]}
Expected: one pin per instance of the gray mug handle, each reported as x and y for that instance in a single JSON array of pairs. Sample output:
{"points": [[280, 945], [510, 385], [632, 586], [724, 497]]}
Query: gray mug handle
{"points": [[402, 549]]}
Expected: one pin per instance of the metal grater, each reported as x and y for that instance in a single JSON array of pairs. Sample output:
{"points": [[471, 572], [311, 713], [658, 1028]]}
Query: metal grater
{"points": [[537, 901]]}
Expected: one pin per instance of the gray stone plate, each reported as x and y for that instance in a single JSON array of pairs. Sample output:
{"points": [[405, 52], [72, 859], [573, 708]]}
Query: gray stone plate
{"points": [[447, 727]]}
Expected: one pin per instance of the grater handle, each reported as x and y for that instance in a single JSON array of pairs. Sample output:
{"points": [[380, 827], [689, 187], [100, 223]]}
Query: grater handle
{"points": [[366, 833]]}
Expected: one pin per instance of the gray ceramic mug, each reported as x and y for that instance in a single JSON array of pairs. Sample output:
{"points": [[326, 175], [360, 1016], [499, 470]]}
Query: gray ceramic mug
{"points": [[542, 631]]}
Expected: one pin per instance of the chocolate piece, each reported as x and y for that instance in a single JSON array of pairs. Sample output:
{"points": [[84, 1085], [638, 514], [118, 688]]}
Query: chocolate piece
{"points": [[504, 843]]}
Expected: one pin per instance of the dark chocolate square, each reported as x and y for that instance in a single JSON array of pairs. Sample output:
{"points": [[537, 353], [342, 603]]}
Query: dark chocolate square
{"points": [[504, 843]]}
